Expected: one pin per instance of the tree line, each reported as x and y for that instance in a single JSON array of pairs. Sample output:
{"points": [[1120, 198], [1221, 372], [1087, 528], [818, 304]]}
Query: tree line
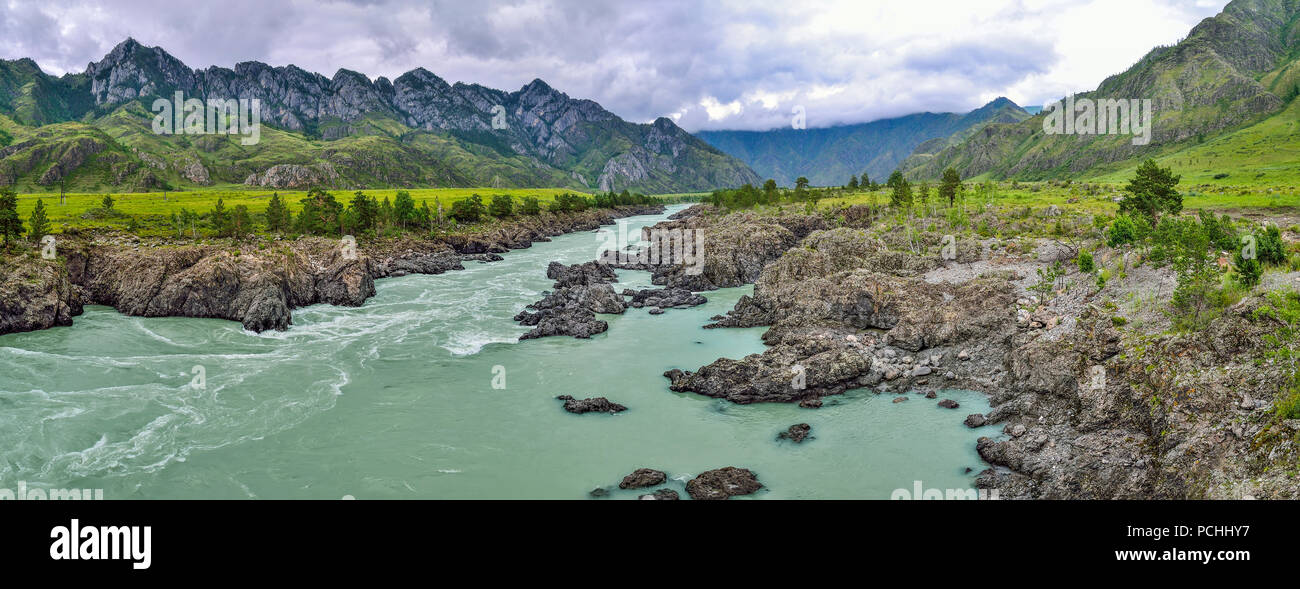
{"points": [[323, 214]]}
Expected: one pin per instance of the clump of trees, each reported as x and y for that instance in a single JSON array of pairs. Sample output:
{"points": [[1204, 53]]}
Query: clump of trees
{"points": [[1149, 218]]}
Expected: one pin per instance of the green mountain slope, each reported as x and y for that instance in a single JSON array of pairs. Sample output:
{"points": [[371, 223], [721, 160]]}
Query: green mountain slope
{"points": [[93, 131], [1233, 70]]}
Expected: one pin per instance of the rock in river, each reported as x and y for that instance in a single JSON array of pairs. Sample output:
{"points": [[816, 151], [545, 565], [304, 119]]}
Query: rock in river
{"points": [[661, 495], [596, 404], [723, 483], [796, 433], [643, 477]]}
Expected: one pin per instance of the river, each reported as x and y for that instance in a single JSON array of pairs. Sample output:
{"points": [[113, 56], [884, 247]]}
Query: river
{"points": [[424, 392]]}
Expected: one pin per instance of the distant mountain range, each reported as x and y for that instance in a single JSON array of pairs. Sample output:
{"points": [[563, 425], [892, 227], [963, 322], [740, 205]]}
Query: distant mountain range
{"points": [[92, 131], [828, 156]]}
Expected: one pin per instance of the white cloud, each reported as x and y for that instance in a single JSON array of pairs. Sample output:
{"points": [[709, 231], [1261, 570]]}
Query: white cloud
{"points": [[718, 64]]}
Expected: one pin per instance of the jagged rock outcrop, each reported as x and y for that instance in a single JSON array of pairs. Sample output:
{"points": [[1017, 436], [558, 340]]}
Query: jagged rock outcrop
{"points": [[663, 298], [660, 495], [846, 313], [725, 250], [1186, 416], [294, 176], [257, 286], [581, 291], [35, 294]]}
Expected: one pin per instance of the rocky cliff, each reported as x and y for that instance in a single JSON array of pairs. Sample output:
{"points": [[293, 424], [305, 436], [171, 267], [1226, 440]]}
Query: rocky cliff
{"points": [[256, 283], [414, 130], [1081, 408]]}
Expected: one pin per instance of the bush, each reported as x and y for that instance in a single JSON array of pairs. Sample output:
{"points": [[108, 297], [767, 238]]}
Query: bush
{"points": [[468, 210], [502, 206], [1123, 231], [1248, 270], [531, 206], [1270, 247], [569, 202], [1085, 262]]}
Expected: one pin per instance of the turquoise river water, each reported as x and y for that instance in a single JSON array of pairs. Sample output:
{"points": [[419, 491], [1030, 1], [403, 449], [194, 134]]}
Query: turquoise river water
{"points": [[395, 399]]}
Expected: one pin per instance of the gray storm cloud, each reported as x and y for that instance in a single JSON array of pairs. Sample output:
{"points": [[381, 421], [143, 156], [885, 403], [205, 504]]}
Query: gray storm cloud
{"points": [[710, 65]]}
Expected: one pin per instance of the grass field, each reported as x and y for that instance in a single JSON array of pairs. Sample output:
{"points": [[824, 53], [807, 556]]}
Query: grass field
{"points": [[155, 208], [1266, 154], [1099, 197], [152, 210]]}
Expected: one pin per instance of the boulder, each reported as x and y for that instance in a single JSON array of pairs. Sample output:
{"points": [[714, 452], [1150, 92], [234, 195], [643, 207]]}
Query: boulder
{"points": [[643, 477], [723, 483], [592, 405]]}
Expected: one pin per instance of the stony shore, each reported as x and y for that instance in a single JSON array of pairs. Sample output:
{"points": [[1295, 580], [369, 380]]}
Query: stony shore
{"points": [[256, 282], [1082, 407]]}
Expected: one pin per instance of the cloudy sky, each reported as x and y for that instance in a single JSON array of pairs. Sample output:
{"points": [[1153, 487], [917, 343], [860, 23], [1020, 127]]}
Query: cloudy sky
{"points": [[723, 64]]}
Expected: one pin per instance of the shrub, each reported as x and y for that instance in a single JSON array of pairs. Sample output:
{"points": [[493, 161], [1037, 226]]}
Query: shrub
{"points": [[1248, 270], [531, 206], [501, 206], [468, 210], [1270, 247], [1123, 231], [1085, 262]]}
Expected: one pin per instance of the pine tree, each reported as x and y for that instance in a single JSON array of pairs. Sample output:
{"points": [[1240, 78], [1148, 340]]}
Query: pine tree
{"points": [[38, 223], [241, 222], [11, 227], [901, 195], [363, 213], [853, 182], [277, 215], [404, 209], [220, 219], [948, 186], [1152, 192]]}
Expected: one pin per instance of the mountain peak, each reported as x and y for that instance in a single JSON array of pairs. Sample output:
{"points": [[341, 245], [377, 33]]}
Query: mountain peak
{"points": [[538, 86]]}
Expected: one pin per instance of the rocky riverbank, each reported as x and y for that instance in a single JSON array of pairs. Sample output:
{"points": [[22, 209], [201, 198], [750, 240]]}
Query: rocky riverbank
{"points": [[256, 282], [1083, 408]]}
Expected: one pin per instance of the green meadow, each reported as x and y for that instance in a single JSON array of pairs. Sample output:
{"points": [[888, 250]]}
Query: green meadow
{"points": [[152, 210]]}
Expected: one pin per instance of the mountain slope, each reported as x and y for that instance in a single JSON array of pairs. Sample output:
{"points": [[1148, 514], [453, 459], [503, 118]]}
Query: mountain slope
{"points": [[1234, 69], [343, 131], [828, 156]]}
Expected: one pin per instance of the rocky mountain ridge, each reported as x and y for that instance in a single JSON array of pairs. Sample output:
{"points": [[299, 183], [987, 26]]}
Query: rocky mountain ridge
{"points": [[544, 137]]}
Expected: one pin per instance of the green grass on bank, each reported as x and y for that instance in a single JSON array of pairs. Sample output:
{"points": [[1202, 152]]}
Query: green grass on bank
{"points": [[1096, 197], [152, 211], [82, 210]]}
